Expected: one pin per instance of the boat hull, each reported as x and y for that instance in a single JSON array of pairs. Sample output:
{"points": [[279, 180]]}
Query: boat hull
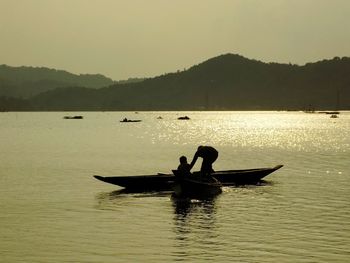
{"points": [[132, 121], [166, 182], [197, 187]]}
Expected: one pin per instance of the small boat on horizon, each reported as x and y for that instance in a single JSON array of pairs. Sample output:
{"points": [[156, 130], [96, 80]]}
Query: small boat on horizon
{"points": [[184, 118], [127, 120], [78, 117], [329, 112]]}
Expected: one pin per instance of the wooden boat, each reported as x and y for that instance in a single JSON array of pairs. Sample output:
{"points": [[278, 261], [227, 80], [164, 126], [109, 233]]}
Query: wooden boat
{"points": [[158, 182], [184, 118], [196, 186], [329, 112], [127, 120], [73, 117], [165, 182]]}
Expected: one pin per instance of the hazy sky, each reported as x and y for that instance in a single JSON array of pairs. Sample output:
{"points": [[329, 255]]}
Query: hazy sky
{"points": [[145, 38]]}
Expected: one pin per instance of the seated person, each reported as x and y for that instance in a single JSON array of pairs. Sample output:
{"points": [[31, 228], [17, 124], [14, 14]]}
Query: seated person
{"points": [[184, 167]]}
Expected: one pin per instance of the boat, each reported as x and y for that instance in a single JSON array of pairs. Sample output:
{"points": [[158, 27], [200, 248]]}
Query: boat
{"points": [[184, 118], [127, 120], [329, 112], [141, 183], [196, 186], [73, 117], [165, 182]]}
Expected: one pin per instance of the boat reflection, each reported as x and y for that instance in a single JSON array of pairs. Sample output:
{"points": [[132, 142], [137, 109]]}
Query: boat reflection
{"points": [[119, 198], [184, 207], [194, 225]]}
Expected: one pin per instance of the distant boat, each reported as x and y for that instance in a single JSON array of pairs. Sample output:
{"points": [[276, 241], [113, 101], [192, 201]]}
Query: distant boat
{"points": [[184, 118], [329, 112], [159, 117], [127, 120], [334, 115], [73, 117]]}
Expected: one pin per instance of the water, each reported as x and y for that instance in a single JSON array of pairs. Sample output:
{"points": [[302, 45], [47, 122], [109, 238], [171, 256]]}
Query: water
{"points": [[53, 210]]}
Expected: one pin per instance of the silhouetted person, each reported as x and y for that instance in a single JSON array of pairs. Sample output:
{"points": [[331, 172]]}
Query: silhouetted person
{"points": [[184, 167], [209, 156]]}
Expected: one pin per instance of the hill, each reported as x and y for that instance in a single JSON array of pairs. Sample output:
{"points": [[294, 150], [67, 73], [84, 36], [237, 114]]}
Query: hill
{"points": [[226, 82], [26, 82]]}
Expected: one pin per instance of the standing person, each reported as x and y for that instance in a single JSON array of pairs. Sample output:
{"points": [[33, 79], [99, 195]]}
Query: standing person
{"points": [[209, 155]]}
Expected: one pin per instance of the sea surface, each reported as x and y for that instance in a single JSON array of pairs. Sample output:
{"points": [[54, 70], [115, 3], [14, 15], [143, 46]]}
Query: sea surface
{"points": [[53, 210]]}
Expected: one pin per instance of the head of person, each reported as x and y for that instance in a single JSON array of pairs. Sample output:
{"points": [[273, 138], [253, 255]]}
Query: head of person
{"points": [[183, 159], [200, 147]]}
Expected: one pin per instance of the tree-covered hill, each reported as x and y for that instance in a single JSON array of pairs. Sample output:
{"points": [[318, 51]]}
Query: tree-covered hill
{"points": [[25, 82], [226, 82]]}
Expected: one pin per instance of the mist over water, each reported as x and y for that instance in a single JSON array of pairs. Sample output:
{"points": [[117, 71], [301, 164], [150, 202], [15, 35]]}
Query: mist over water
{"points": [[53, 210]]}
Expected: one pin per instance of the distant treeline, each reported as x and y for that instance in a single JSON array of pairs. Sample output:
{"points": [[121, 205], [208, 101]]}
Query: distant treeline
{"points": [[226, 82]]}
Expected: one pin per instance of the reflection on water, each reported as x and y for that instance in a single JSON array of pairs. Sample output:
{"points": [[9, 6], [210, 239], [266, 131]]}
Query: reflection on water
{"points": [[53, 210], [194, 223], [185, 207], [122, 197]]}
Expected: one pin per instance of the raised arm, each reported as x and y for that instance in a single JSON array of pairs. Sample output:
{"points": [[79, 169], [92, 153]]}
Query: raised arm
{"points": [[195, 157]]}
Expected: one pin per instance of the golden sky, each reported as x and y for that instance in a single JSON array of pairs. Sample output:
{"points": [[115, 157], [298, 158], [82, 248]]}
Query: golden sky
{"points": [[145, 38]]}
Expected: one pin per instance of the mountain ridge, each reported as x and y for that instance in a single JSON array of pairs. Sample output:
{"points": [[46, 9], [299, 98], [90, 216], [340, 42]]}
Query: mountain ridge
{"points": [[26, 82], [225, 82]]}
